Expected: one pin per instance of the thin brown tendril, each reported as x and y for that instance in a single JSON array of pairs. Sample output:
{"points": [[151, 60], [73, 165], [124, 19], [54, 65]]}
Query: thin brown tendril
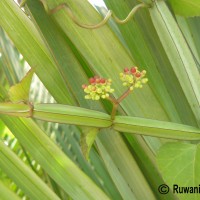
{"points": [[98, 25]]}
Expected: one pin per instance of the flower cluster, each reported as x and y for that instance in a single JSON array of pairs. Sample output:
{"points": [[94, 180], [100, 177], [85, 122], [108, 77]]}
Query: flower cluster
{"points": [[133, 78], [98, 88]]}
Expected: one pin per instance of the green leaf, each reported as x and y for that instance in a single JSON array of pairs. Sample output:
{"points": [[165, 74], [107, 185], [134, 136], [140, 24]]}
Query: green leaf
{"points": [[9, 59], [147, 1], [7, 194], [194, 26], [30, 44], [122, 166], [179, 164], [87, 139], [186, 8], [189, 34], [69, 65], [23, 176], [179, 54], [114, 172], [20, 91], [2, 127]]}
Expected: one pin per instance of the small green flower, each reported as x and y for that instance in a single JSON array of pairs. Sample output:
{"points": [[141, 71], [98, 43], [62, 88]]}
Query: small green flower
{"points": [[98, 88], [133, 78]]}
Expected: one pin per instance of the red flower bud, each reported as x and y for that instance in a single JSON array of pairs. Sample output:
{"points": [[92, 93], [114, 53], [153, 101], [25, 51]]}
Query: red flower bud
{"points": [[126, 70], [138, 74], [102, 80], [133, 70], [92, 80]]}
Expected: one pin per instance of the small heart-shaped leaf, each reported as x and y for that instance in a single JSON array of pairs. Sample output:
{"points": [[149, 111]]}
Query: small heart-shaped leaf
{"points": [[20, 91], [87, 139], [179, 164]]}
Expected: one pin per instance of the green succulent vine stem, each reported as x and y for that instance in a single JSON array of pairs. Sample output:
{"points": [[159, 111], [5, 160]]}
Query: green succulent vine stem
{"points": [[93, 26], [116, 102]]}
